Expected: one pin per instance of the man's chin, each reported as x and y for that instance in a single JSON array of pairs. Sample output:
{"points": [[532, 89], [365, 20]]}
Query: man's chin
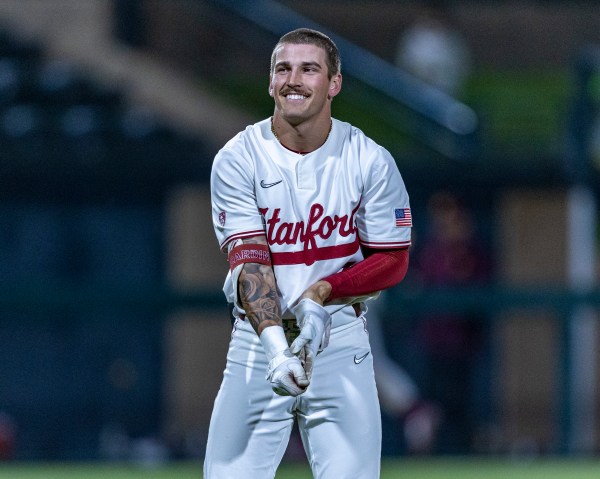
{"points": [[294, 116]]}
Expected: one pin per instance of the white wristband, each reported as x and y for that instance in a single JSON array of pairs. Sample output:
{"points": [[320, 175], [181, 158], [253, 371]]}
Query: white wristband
{"points": [[273, 341]]}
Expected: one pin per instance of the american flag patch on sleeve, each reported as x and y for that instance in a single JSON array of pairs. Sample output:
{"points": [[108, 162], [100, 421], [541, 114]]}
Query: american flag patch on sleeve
{"points": [[403, 217]]}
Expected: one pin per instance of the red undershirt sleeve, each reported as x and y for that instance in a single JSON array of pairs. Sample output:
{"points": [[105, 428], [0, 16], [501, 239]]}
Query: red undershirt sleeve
{"points": [[381, 269]]}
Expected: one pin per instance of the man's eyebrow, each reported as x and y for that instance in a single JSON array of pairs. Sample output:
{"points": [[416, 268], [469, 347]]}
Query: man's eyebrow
{"points": [[311, 64], [304, 64]]}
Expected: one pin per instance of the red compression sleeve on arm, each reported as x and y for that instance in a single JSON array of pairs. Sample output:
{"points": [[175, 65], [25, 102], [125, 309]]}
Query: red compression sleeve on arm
{"points": [[381, 269]]}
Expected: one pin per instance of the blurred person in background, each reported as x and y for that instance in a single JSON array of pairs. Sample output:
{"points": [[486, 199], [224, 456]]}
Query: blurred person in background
{"points": [[452, 254], [436, 53]]}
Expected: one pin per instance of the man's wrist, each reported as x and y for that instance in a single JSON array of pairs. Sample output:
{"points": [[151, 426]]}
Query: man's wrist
{"points": [[319, 292], [324, 290], [273, 341]]}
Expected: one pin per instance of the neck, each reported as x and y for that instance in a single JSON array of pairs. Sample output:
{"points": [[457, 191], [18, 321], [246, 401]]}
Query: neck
{"points": [[301, 139]]}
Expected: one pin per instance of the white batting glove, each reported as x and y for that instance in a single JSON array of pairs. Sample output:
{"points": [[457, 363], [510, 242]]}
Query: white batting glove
{"points": [[284, 371], [315, 326]]}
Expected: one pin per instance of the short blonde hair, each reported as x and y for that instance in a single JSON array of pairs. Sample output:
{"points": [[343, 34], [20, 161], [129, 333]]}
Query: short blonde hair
{"points": [[308, 36]]}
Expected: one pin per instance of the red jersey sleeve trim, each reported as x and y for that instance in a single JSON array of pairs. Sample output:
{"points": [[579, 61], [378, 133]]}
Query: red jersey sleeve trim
{"points": [[384, 245], [237, 236]]}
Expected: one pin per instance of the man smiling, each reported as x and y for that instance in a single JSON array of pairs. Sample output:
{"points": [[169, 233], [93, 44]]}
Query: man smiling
{"points": [[306, 208], [302, 90]]}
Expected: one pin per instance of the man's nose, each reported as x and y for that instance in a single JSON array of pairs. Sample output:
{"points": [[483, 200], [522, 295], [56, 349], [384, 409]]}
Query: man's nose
{"points": [[295, 77]]}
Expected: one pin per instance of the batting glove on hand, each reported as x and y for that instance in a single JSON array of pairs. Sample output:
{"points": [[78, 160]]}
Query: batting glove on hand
{"points": [[315, 326], [284, 371]]}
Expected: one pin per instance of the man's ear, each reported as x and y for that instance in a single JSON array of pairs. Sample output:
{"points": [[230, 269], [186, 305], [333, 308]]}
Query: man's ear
{"points": [[335, 85]]}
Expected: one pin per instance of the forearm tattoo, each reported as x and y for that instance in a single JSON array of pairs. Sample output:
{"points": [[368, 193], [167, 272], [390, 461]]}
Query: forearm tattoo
{"points": [[258, 295]]}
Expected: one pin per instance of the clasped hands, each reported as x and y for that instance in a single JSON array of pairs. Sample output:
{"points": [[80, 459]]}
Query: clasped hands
{"points": [[290, 369]]}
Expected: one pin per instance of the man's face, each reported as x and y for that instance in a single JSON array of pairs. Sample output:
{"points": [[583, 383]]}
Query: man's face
{"points": [[299, 83]]}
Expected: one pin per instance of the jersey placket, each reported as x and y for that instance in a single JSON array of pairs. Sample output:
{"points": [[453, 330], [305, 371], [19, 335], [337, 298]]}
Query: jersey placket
{"points": [[305, 174]]}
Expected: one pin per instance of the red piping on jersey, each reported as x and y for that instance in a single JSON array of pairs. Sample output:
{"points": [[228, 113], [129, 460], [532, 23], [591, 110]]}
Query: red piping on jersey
{"points": [[245, 234], [397, 245], [309, 256], [378, 271]]}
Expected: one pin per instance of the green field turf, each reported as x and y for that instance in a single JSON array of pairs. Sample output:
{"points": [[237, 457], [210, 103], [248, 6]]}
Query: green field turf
{"points": [[398, 469]]}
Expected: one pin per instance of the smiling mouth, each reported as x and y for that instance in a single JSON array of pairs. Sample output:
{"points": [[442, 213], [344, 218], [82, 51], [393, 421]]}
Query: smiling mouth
{"points": [[295, 96]]}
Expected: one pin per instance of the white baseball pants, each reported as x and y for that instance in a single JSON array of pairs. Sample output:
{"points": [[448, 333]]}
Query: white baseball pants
{"points": [[338, 416]]}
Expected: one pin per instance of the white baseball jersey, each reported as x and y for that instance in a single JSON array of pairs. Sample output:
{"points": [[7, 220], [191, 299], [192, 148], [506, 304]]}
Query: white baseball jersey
{"points": [[315, 209]]}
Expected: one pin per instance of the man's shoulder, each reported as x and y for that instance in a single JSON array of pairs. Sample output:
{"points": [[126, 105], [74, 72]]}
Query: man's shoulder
{"points": [[357, 138], [252, 133], [239, 144], [353, 132]]}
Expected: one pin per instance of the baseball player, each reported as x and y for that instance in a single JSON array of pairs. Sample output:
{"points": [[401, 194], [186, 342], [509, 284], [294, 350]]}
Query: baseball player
{"points": [[315, 219]]}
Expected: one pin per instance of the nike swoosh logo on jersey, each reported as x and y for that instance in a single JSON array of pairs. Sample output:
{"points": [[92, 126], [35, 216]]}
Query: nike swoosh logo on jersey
{"points": [[268, 185], [360, 359]]}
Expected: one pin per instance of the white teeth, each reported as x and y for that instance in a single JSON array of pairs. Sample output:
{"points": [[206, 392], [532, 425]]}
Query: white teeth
{"points": [[296, 97]]}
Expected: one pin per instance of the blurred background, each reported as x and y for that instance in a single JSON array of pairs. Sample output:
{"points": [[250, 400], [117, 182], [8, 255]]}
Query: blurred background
{"points": [[113, 327]]}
